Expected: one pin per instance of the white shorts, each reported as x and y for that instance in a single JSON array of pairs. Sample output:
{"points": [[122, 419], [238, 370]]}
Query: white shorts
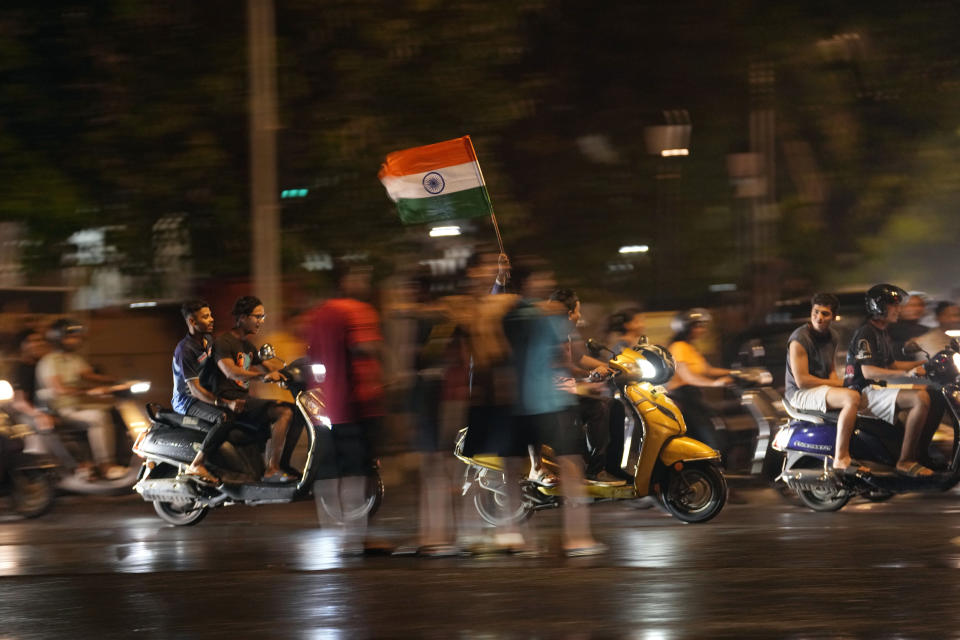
{"points": [[813, 399], [879, 402]]}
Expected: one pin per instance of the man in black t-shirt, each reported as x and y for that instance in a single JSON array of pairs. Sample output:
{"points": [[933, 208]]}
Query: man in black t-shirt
{"points": [[237, 362], [871, 357]]}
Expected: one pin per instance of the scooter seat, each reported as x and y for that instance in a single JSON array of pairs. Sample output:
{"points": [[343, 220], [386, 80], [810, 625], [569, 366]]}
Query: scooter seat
{"points": [[173, 419], [807, 415]]}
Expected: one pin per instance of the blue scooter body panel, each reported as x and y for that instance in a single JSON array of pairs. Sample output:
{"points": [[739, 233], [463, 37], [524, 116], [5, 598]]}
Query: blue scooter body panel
{"points": [[813, 438]]}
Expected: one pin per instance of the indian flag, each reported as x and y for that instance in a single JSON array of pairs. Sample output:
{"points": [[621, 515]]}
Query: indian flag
{"points": [[437, 182]]}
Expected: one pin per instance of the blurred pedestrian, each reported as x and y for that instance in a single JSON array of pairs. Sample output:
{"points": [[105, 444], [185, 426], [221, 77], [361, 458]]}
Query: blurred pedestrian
{"points": [[344, 335], [536, 330]]}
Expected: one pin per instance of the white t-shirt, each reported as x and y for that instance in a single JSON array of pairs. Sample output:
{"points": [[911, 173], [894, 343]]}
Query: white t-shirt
{"points": [[66, 366]]}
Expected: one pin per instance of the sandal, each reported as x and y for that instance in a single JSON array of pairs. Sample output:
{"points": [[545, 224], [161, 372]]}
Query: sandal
{"points": [[916, 470], [201, 473], [543, 478]]}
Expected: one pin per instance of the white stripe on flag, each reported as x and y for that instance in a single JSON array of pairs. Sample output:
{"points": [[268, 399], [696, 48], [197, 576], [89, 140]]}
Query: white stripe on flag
{"points": [[458, 177]]}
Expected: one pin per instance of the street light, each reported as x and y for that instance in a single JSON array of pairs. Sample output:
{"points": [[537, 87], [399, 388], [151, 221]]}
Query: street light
{"points": [[441, 232], [634, 248]]}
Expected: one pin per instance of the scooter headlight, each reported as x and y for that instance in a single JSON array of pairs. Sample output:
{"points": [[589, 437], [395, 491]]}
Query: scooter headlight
{"points": [[319, 372], [956, 361], [140, 387], [6, 391], [315, 408], [643, 369]]}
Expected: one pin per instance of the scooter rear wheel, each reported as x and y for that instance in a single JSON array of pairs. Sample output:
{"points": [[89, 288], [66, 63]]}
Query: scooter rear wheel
{"points": [[182, 514], [695, 493], [824, 500], [33, 492]]}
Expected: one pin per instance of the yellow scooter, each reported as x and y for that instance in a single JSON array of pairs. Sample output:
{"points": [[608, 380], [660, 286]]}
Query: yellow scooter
{"points": [[682, 473]]}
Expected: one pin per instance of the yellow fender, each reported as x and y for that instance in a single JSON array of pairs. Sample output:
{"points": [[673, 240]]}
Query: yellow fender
{"points": [[684, 449]]}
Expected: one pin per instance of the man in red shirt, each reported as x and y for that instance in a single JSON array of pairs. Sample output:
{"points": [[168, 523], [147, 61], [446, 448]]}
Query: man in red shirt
{"points": [[344, 335]]}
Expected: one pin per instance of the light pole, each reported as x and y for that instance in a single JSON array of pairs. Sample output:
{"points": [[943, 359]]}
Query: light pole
{"points": [[264, 208]]}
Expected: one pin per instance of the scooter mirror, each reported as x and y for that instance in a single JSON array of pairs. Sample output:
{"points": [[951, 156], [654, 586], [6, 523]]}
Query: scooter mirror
{"points": [[642, 340], [912, 348], [267, 352]]}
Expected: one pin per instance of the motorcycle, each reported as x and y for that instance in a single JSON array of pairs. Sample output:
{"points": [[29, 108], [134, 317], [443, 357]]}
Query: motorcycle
{"points": [[808, 441], [73, 449], [172, 440], [682, 473], [28, 478]]}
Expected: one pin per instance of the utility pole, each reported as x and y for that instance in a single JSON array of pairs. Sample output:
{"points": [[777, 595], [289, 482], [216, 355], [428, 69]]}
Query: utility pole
{"points": [[264, 207]]}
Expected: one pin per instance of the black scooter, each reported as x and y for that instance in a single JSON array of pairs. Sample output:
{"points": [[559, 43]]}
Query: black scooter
{"points": [[28, 479], [172, 441]]}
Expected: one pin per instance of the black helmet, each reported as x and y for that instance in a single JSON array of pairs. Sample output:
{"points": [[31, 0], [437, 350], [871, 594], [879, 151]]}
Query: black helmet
{"points": [[63, 328], [880, 296], [685, 320]]}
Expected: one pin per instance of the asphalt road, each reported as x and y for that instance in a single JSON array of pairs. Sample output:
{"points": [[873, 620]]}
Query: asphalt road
{"points": [[108, 568]]}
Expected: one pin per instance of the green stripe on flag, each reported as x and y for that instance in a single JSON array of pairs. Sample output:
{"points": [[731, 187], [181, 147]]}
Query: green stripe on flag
{"points": [[470, 203]]}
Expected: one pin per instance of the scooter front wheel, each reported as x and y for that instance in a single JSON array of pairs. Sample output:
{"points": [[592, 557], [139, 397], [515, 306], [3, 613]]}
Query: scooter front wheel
{"points": [[695, 493], [373, 498], [182, 514]]}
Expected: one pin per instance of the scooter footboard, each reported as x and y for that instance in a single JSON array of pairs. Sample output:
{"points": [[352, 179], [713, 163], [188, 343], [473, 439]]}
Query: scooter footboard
{"points": [[684, 449]]}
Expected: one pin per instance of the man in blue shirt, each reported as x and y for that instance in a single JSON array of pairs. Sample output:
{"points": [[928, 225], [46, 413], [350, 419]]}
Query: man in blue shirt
{"points": [[190, 397]]}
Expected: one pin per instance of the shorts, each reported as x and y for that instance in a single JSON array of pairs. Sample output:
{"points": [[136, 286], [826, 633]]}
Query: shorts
{"points": [[256, 413], [814, 399], [346, 449], [879, 402], [557, 429]]}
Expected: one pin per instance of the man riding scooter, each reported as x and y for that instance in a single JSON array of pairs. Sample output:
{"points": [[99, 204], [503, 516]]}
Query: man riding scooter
{"points": [[871, 357], [237, 362], [68, 385]]}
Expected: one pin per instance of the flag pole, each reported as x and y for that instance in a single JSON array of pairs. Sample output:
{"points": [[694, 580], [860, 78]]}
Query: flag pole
{"points": [[493, 216]]}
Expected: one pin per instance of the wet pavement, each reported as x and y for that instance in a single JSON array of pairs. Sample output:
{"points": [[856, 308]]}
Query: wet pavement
{"points": [[765, 567]]}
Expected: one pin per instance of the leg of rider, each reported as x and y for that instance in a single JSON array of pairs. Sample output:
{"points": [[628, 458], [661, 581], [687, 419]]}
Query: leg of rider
{"points": [[847, 400], [595, 415], [99, 433], [918, 404], [294, 429], [938, 407], [215, 437], [575, 513], [280, 416]]}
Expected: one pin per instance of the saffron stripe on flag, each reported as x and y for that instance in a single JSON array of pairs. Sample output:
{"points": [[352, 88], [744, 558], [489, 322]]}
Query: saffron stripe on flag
{"points": [[428, 158]]}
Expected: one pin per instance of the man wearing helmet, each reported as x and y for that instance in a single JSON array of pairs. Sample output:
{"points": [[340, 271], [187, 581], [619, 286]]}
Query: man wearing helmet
{"points": [[65, 382], [871, 357], [693, 372], [811, 379]]}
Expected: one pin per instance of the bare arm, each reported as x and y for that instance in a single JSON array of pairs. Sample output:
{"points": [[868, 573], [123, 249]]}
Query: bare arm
{"points": [[800, 367], [198, 392], [881, 373], [238, 374], [686, 376]]}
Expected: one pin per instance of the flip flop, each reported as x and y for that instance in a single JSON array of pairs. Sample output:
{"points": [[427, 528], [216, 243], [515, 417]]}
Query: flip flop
{"points": [[916, 470], [854, 468]]}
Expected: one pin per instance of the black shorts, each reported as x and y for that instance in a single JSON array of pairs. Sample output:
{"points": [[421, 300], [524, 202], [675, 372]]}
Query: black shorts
{"points": [[557, 429], [256, 413], [346, 449]]}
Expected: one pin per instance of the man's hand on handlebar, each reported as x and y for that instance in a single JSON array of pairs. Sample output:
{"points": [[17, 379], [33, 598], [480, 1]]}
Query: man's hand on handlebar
{"points": [[274, 376]]}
